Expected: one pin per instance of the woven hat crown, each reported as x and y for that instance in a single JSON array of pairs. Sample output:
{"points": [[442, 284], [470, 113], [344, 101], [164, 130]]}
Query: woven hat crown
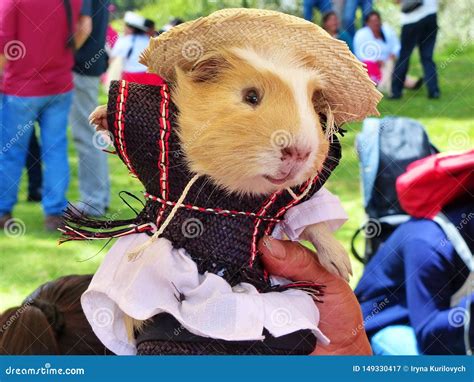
{"points": [[349, 92]]}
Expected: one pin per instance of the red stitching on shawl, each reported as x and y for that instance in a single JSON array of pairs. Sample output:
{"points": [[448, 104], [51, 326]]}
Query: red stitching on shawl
{"points": [[263, 210], [120, 124], [163, 146], [217, 211], [283, 210]]}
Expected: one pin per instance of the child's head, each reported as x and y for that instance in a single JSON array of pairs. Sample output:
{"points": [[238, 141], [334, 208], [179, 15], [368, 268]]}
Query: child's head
{"points": [[50, 321], [136, 24], [330, 22]]}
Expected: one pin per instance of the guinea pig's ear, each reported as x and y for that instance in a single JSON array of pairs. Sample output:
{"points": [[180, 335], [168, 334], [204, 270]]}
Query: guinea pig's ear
{"points": [[319, 102], [208, 68], [325, 113]]}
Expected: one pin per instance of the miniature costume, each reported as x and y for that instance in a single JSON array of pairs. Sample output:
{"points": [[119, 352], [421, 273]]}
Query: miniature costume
{"points": [[199, 278]]}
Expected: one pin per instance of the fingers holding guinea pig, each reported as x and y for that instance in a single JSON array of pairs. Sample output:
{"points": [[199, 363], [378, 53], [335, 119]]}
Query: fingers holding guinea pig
{"points": [[99, 118]]}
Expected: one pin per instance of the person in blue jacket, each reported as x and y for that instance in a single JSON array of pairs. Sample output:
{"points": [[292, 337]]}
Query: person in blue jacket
{"points": [[416, 293]]}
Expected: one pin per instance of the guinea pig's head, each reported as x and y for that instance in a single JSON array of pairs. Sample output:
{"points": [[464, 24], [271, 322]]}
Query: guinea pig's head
{"points": [[249, 119]]}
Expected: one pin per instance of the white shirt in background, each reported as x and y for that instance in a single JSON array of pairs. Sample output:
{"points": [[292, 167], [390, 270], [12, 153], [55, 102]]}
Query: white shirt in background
{"points": [[429, 7], [369, 48], [122, 47]]}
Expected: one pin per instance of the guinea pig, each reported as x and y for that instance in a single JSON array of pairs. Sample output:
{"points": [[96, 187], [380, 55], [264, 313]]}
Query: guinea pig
{"points": [[253, 113], [250, 120]]}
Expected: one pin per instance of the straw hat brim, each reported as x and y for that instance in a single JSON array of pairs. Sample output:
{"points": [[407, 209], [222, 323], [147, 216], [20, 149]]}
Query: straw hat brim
{"points": [[349, 91]]}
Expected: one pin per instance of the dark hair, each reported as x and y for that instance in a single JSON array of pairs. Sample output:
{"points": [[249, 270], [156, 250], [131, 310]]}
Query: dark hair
{"points": [[370, 14], [375, 13], [150, 24], [327, 15], [176, 21], [50, 321], [136, 31]]}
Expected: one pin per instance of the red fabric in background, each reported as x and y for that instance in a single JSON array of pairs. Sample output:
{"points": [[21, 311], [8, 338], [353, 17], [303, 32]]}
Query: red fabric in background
{"points": [[143, 78], [433, 182], [33, 37], [373, 69]]}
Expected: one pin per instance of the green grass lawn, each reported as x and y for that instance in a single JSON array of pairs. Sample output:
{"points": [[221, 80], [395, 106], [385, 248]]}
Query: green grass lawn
{"points": [[33, 258]]}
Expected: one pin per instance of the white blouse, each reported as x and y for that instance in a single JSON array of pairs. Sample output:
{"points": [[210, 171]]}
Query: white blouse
{"points": [[135, 44], [369, 48], [148, 286]]}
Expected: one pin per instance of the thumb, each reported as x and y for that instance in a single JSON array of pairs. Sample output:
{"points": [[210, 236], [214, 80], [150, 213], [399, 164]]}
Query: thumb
{"points": [[290, 260]]}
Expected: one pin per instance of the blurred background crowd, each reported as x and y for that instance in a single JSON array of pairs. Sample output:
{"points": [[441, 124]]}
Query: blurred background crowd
{"points": [[98, 54], [57, 59]]}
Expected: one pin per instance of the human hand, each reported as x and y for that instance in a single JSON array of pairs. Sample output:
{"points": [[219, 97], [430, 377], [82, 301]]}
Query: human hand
{"points": [[99, 118], [340, 315]]}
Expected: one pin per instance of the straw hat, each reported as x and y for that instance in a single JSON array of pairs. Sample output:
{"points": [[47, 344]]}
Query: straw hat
{"points": [[350, 93], [135, 20]]}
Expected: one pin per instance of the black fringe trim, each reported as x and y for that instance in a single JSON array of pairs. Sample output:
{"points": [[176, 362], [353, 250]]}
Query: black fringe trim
{"points": [[315, 290], [78, 226]]}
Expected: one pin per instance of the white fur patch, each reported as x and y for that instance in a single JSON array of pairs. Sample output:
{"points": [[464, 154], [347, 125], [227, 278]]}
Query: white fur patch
{"points": [[282, 63]]}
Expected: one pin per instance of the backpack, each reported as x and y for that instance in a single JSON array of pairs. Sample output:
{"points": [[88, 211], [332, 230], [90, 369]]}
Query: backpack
{"points": [[432, 183], [385, 148], [425, 189]]}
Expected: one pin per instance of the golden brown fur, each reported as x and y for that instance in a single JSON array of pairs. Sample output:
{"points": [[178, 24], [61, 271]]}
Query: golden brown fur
{"points": [[231, 141]]}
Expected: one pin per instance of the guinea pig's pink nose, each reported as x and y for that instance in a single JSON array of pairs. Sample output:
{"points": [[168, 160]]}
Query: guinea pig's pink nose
{"points": [[295, 153]]}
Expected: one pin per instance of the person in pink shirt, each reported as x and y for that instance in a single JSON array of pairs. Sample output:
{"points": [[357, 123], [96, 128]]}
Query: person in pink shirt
{"points": [[37, 44]]}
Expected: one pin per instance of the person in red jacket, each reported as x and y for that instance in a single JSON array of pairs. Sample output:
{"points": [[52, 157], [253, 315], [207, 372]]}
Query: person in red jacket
{"points": [[37, 42]]}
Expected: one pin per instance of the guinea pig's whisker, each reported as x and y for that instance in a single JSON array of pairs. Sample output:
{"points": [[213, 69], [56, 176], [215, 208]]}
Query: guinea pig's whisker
{"points": [[181, 165], [207, 180], [215, 188]]}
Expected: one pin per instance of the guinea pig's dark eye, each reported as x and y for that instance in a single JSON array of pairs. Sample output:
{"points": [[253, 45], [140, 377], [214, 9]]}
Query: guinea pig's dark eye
{"points": [[251, 97]]}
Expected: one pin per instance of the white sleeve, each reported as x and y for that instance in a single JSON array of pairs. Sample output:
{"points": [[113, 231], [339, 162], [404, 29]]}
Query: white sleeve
{"points": [[121, 47], [322, 207]]}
